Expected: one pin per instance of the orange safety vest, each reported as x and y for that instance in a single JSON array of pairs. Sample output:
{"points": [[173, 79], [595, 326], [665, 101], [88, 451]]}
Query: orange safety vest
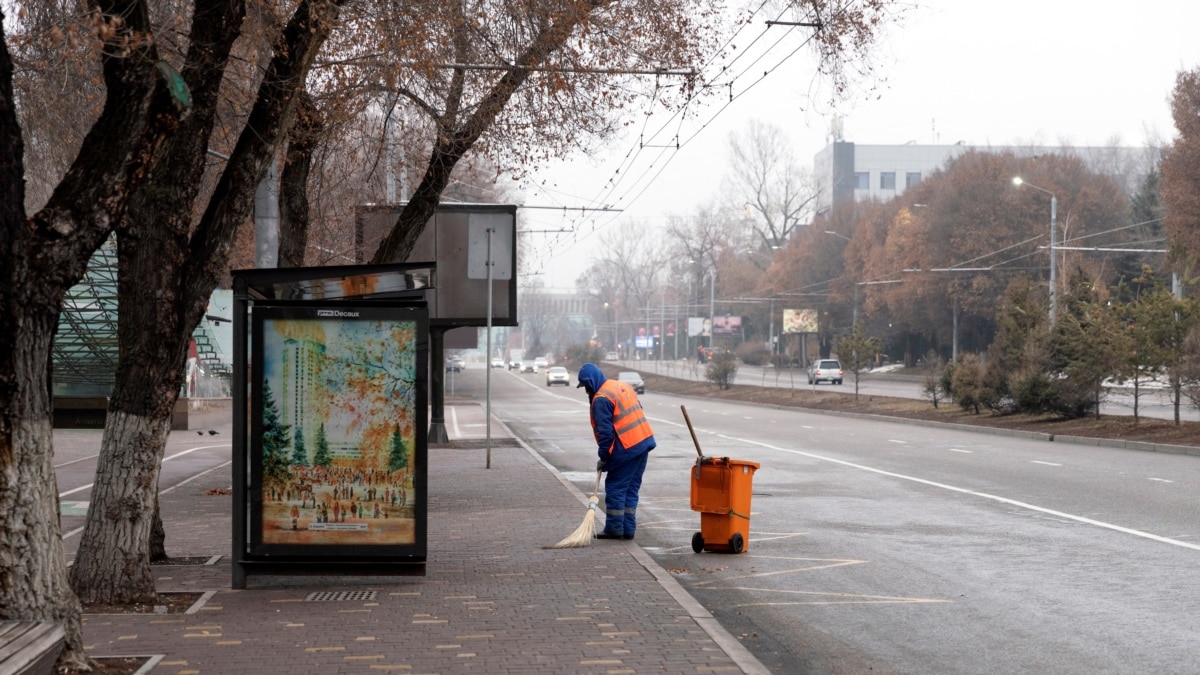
{"points": [[629, 422]]}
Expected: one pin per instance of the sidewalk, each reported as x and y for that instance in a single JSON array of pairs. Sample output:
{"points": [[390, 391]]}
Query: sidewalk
{"points": [[492, 601]]}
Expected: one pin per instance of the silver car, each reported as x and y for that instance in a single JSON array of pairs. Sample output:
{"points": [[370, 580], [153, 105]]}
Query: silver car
{"points": [[558, 375], [827, 370]]}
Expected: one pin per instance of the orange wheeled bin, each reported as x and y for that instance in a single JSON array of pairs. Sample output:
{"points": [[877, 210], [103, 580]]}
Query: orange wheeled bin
{"points": [[721, 493]]}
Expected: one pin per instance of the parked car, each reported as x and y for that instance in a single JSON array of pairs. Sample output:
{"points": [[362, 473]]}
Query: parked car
{"points": [[529, 367], [455, 364], [610, 356], [541, 362], [497, 362], [558, 375], [828, 370], [632, 379]]}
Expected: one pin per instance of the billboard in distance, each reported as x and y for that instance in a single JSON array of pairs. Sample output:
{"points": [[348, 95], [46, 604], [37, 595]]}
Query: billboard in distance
{"points": [[698, 326], [799, 321], [727, 325]]}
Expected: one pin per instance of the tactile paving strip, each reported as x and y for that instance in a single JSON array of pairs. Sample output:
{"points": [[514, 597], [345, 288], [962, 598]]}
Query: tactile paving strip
{"points": [[336, 596]]}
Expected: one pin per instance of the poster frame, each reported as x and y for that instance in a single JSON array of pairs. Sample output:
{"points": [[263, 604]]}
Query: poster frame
{"points": [[415, 313]]}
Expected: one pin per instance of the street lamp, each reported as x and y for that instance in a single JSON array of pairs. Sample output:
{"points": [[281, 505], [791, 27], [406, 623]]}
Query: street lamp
{"points": [[1053, 235], [854, 310]]}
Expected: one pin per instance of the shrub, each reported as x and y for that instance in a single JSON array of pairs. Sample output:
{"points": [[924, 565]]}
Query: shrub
{"points": [[933, 382], [721, 369], [753, 354], [968, 386]]}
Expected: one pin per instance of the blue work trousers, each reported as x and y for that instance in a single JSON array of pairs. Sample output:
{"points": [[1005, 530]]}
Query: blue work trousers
{"points": [[621, 486]]}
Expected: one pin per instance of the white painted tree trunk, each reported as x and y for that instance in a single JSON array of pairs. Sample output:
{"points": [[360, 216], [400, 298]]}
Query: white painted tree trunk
{"points": [[33, 572], [113, 563]]}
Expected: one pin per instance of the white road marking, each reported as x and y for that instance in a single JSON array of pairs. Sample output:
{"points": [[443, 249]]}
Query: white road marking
{"points": [[454, 421], [893, 440], [178, 454], [962, 451], [1037, 461], [1162, 480], [965, 491]]}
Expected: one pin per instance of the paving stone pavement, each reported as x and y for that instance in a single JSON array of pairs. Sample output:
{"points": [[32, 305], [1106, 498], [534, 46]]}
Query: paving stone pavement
{"points": [[493, 600]]}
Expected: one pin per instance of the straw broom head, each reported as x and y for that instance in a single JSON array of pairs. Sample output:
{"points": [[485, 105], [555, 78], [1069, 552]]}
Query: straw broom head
{"points": [[585, 533]]}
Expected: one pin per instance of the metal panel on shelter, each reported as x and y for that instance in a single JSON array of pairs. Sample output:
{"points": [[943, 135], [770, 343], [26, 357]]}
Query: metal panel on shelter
{"points": [[456, 239]]}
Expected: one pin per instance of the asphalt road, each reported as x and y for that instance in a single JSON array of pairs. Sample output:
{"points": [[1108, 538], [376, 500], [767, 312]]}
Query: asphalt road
{"points": [[888, 548], [1154, 400]]}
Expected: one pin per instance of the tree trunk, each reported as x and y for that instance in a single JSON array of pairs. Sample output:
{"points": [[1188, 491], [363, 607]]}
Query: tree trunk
{"points": [[40, 258], [113, 564], [293, 184], [156, 252], [33, 573], [158, 537], [113, 561]]}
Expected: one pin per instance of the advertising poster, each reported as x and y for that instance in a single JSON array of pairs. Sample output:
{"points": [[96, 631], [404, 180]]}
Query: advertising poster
{"points": [[799, 321], [727, 325], [337, 443], [698, 326]]}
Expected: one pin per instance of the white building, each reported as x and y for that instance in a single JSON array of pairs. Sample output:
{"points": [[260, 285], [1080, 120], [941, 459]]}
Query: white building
{"points": [[844, 170]]}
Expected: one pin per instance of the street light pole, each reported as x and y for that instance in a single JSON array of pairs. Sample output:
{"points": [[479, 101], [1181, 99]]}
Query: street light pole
{"points": [[1018, 181], [712, 303]]}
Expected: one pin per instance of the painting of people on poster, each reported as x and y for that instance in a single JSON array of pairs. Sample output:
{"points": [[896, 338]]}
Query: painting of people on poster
{"points": [[337, 427]]}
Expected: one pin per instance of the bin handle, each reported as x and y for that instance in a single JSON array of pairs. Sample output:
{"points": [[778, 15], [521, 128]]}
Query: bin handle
{"points": [[691, 430]]}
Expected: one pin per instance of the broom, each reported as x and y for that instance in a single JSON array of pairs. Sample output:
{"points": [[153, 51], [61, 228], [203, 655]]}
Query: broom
{"points": [[586, 532]]}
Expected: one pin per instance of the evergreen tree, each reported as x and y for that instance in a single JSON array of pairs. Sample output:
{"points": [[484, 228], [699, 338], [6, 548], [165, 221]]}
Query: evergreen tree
{"points": [[1088, 347], [856, 350], [274, 440], [398, 457], [299, 452], [1016, 377], [322, 457]]}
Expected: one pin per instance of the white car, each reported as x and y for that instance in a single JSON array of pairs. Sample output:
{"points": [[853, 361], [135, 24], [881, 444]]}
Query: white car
{"points": [[827, 370], [558, 375], [541, 362], [529, 367], [497, 362]]}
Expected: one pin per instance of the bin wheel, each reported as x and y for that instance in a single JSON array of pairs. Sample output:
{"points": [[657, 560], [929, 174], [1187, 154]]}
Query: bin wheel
{"points": [[736, 543], [697, 542]]}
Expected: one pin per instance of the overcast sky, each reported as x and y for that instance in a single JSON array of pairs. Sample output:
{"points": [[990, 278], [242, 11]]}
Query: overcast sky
{"points": [[984, 72]]}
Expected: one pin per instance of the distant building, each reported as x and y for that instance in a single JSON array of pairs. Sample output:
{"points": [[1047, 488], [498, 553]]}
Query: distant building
{"points": [[853, 171], [555, 318]]}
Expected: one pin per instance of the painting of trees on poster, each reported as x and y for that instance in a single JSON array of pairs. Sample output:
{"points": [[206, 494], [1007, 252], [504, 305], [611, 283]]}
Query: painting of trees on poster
{"points": [[339, 430]]}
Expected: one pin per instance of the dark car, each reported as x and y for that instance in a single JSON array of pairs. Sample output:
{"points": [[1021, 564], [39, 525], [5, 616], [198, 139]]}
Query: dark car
{"points": [[632, 379]]}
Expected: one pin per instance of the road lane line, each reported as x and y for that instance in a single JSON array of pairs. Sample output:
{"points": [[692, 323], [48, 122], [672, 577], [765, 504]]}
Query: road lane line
{"points": [[1038, 461], [1162, 480], [178, 454], [965, 491], [966, 452]]}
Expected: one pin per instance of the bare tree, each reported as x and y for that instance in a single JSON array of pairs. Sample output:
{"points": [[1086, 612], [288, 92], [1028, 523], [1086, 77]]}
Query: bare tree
{"points": [[43, 255], [160, 246], [765, 177]]}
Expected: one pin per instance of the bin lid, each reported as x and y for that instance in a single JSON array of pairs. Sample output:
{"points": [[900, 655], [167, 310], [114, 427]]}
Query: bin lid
{"points": [[729, 462]]}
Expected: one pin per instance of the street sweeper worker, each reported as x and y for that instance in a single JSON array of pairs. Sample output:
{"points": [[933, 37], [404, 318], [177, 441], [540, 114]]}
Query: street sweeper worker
{"points": [[624, 441]]}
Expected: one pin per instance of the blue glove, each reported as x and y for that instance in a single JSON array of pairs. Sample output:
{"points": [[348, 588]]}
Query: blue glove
{"points": [[602, 465]]}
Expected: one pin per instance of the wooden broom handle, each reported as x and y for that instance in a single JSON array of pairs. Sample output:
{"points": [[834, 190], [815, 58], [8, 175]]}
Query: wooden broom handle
{"points": [[692, 431]]}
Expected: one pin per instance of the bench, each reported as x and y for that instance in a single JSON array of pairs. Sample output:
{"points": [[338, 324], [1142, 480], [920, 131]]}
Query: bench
{"points": [[30, 647]]}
